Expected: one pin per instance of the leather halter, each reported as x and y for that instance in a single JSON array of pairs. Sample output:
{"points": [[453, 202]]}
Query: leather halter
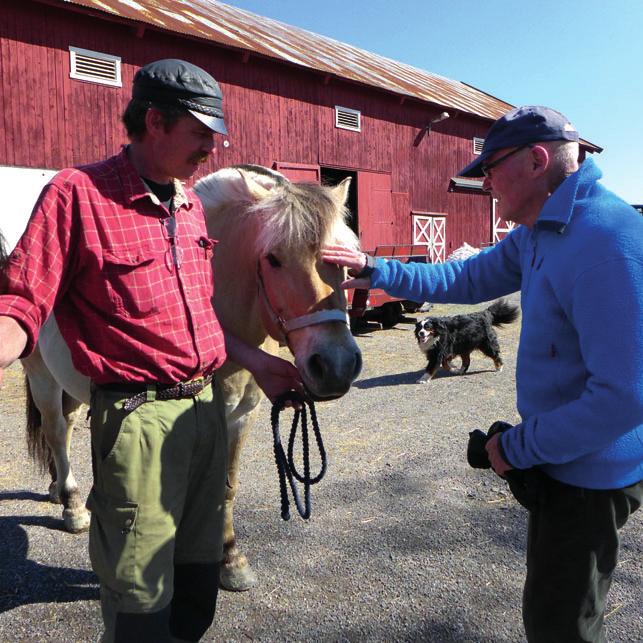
{"points": [[286, 326]]}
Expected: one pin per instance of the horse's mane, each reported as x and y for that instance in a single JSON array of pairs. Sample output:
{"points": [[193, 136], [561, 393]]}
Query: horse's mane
{"points": [[294, 215]]}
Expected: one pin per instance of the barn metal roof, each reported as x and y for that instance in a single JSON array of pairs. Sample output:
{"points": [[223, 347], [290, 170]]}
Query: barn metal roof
{"points": [[246, 31]]}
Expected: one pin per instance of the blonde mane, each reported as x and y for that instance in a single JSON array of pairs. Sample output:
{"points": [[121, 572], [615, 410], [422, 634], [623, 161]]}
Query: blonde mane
{"points": [[290, 215]]}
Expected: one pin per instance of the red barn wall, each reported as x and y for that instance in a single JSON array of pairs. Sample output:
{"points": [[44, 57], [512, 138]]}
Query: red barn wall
{"points": [[274, 112]]}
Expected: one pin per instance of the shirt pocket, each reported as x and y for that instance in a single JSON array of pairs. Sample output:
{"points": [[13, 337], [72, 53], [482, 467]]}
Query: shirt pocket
{"points": [[205, 254], [134, 278]]}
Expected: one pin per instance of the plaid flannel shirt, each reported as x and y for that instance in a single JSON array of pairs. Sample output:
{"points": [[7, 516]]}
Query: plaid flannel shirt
{"points": [[130, 289]]}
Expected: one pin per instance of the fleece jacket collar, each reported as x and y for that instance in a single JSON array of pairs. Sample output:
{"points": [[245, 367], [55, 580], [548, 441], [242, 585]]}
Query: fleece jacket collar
{"points": [[557, 211]]}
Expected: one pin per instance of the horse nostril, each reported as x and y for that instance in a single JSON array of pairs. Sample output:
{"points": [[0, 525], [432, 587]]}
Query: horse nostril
{"points": [[316, 366]]}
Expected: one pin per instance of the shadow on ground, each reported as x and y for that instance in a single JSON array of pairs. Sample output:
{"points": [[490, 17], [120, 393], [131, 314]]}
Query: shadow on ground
{"points": [[24, 581], [411, 377]]}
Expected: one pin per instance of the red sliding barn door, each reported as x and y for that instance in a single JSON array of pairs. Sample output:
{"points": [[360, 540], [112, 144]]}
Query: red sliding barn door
{"points": [[374, 210], [299, 172]]}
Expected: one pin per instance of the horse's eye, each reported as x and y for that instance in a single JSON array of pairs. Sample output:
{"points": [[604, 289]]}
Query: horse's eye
{"points": [[273, 261]]}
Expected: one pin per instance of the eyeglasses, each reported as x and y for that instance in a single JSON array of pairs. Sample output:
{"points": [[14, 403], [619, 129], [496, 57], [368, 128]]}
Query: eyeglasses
{"points": [[487, 167]]}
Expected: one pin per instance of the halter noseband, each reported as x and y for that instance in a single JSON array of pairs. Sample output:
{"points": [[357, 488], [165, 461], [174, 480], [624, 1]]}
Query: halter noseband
{"points": [[286, 326]]}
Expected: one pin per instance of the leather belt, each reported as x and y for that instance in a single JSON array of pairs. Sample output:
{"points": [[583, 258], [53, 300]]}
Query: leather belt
{"points": [[162, 391]]}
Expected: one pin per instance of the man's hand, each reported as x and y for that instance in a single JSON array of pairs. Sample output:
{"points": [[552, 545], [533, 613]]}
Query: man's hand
{"points": [[273, 374], [13, 340], [354, 260], [276, 376], [494, 450]]}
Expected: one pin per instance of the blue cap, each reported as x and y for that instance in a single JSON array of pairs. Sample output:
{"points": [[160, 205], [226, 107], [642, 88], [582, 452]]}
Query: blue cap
{"points": [[520, 126], [172, 81]]}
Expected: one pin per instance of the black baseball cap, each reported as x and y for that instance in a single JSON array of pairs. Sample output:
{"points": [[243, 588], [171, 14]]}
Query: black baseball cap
{"points": [[520, 126], [173, 81]]}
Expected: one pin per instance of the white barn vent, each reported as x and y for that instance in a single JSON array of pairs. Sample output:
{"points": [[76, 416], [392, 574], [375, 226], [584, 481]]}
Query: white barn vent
{"points": [[94, 67], [477, 145], [346, 118]]}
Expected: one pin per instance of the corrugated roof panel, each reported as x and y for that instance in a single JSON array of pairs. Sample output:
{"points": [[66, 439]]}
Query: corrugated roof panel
{"points": [[227, 25]]}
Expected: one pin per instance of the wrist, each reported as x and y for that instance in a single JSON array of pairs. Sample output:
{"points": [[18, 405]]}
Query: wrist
{"points": [[497, 458], [367, 269]]}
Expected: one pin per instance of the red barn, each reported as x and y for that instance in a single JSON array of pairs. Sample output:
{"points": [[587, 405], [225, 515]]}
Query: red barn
{"points": [[307, 105]]}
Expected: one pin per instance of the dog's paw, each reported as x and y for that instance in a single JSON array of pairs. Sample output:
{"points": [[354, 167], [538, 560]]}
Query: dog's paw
{"points": [[424, 379], [499, 369]]}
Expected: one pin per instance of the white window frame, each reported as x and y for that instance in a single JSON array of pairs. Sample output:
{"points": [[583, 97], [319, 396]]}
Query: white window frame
{"points": [[477, 144], [73, 73], [348, 110]]}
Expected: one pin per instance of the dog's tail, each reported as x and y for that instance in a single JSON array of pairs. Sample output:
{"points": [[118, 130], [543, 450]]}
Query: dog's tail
{"points": [[503, 312]]}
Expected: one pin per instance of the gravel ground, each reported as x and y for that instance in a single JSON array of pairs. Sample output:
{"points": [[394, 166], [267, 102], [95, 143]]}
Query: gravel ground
{"points": [[406, 543]]}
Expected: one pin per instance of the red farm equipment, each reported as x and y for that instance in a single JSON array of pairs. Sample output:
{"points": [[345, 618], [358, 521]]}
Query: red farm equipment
{"points": [[375, 304]]}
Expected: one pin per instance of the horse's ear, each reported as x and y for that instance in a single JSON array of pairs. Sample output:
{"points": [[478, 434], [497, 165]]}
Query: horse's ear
{"points": [[256, 190], [340, 191]]}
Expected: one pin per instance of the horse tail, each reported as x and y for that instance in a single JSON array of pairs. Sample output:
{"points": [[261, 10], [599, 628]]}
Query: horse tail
{"points": [[37, 446], [502, 312]]}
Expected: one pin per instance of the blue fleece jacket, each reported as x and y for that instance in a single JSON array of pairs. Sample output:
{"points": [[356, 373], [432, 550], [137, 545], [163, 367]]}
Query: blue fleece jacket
{"points": [[579, 374]]}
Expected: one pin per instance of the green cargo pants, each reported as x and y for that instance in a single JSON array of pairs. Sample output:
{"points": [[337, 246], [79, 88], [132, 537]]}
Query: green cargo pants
{"points": [[157, 498]]}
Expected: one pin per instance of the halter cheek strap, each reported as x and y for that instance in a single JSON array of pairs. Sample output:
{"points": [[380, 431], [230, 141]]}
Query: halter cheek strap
{"points": [[286, 326]]}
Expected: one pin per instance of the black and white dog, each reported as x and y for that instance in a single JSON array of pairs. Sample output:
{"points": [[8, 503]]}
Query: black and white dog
{"points": [[442, 339]]}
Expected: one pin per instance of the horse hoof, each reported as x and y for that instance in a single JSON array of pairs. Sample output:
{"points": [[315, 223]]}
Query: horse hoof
{"points": [[237, 579], [54, 496], [76, 522]]}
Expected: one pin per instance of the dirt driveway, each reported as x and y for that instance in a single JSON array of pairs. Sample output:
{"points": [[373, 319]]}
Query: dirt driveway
{"points": [[406, 543]]}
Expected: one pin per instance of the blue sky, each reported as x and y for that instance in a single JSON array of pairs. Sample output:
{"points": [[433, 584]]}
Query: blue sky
{"points": [[582, 57]]}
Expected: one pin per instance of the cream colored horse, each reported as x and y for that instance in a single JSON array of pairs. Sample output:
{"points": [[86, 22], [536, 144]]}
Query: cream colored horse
{"points": [[271, 287]]}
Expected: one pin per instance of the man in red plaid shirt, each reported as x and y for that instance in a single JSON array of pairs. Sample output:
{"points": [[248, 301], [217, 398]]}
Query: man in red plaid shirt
{"points": [[117, 250]]}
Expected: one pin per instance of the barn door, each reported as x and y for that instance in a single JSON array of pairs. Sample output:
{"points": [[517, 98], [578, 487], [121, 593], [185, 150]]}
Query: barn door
{"points": [[430, 230], [374, 210], [298, 172], [500, 228]]}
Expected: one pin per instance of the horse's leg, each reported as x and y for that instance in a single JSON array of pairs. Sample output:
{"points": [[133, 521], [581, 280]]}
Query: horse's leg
{"points": [[58, 428], [75, 514], [241, 399], [235, 575], [51, 418]]}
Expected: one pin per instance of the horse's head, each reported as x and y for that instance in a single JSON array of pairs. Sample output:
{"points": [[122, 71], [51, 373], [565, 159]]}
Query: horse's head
{"points": [[271, 230]]}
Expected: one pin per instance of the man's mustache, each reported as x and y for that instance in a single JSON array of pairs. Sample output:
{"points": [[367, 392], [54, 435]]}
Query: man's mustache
{"points": [[200, 158]]}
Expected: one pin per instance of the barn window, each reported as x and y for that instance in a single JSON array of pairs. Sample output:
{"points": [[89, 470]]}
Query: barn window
{"points": [[346, 118], [477, 145], [94, 67]]}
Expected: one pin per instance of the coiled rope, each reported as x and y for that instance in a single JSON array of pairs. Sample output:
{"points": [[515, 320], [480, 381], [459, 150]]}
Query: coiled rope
{"points": [[286, 465]]}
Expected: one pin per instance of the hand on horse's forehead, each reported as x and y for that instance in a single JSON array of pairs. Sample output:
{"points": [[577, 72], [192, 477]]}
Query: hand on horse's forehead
{"points": [[343, 256]]}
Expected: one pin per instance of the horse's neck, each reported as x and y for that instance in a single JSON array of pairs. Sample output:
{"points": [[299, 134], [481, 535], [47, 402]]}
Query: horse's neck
{"points": [[236, 298]]}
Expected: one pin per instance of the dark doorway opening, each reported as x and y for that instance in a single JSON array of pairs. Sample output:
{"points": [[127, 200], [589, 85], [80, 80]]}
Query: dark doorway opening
{"points": [[333, 176]]}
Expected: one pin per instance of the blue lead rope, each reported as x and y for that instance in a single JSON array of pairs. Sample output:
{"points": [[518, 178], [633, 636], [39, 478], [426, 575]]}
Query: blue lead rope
{"points": [[286, 465]]}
